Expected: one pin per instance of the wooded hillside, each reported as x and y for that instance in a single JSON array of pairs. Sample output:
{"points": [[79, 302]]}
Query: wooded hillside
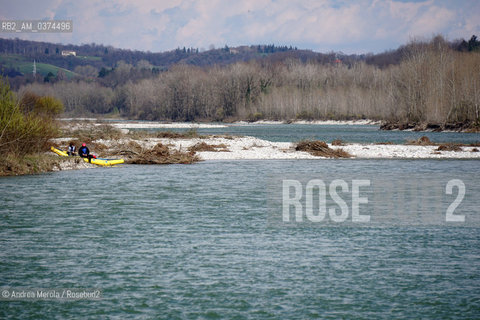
{"points": [[436, 82]]}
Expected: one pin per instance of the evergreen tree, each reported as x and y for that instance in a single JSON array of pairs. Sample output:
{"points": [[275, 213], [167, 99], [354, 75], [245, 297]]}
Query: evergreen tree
{"points": [[473, 44]]}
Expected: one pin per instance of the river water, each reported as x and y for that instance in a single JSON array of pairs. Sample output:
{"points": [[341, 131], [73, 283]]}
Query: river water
{"points": [[205, 241], [328, 133]]}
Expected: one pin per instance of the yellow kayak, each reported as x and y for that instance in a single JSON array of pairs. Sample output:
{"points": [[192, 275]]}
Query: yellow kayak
{"points": [[59, 152], [99, 162], [105, 162]]}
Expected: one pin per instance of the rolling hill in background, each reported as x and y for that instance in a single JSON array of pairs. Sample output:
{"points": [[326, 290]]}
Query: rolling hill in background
{"points": [[431, 82], [17, 56], [24, 65]]}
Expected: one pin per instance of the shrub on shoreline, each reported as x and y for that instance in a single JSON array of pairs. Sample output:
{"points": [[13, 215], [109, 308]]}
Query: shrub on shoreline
{"points": [[26, 126]]}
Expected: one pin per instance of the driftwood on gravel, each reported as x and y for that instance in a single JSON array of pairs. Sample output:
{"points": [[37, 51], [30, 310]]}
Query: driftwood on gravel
{"points": [[449, 147], [202, 146], [159, 154], [422, 141], [321, 149]]}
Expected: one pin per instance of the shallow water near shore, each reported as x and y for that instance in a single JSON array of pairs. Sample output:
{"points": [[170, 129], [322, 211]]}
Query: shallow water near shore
{"points": [[194, 241]]}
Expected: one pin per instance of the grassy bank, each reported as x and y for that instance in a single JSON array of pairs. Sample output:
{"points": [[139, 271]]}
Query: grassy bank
{"points": [[12, 165]]}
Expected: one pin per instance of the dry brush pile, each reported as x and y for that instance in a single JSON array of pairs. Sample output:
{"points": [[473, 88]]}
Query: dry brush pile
{"points": [[161, 154], [202, 146], [321, 149]]}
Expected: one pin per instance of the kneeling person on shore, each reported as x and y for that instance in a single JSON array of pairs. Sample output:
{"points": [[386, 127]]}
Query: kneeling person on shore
{"points": [[84, 152], [71, 149]]}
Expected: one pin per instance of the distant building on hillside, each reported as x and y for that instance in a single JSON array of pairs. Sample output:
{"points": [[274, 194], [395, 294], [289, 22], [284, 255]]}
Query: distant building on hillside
{"points": [[67, 53]]}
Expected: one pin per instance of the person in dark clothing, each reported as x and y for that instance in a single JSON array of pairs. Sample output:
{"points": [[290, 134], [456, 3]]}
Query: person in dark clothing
{"points": [[84, 152], [71, 149]]}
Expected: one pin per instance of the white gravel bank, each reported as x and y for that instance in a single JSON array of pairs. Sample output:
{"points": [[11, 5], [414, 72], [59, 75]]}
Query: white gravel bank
{"points": [[254, 148], [153, 125], [374, 151]]}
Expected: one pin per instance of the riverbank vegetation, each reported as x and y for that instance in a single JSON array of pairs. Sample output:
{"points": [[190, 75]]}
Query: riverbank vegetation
{"points": [[26, 126], [433, 85]]}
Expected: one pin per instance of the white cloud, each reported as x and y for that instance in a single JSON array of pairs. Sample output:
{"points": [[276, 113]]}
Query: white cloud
{"points": [[368, 25], [434, 20]]}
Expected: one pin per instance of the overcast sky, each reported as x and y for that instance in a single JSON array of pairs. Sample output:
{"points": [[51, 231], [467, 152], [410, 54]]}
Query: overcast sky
{"points": [[356, 26]]}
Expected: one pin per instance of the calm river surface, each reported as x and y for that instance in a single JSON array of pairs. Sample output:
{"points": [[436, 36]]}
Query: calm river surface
{"points": [[196, 241], [328, 133]]}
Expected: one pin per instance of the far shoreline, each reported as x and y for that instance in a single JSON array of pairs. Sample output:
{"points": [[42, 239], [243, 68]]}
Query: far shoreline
{"points": [[204, 124], [148, 124]]}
